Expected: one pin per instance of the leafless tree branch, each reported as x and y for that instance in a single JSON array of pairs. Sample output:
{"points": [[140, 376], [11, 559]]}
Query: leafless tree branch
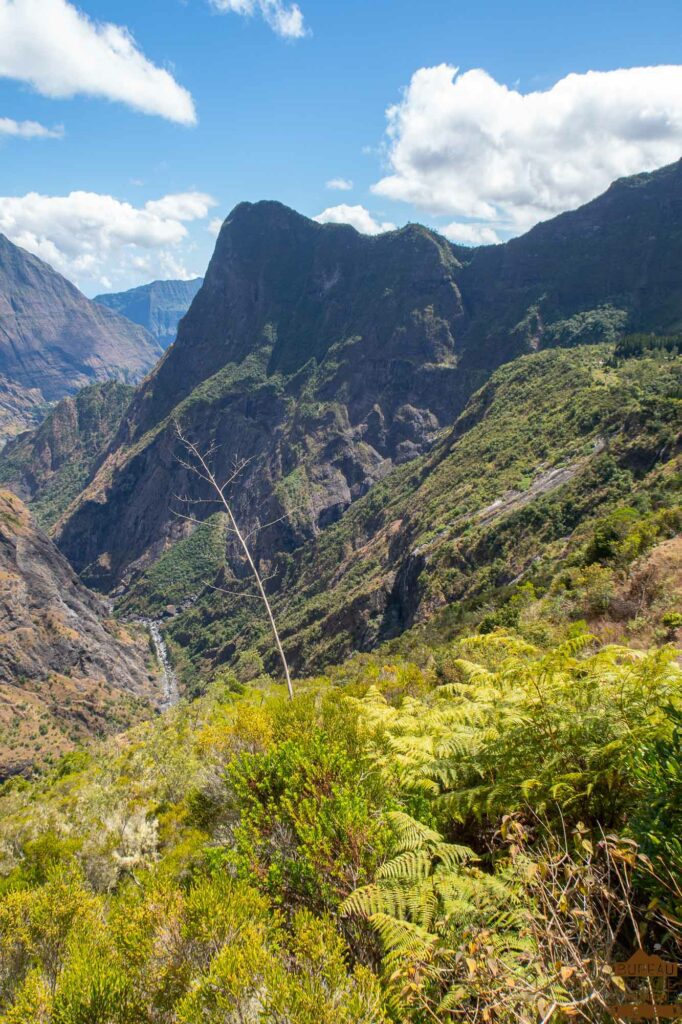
{"points": [[202, 468]]}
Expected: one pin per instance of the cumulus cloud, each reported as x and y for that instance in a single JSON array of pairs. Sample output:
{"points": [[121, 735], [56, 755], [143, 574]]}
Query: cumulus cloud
{"points": [[467, 233], [29, 129], [340, 184], [98, 237], [214, 226], [357, 216], [466, 145], [62, 53], [285, 19]]}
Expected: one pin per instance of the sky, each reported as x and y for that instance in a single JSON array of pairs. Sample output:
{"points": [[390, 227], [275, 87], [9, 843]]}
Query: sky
{"points": [[129, 130]]}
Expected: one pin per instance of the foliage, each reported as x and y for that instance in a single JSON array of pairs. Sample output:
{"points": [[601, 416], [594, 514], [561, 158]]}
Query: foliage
{"points": [[521, 727], [476, 833], [637, 344], [309, 826], [183, 571]]}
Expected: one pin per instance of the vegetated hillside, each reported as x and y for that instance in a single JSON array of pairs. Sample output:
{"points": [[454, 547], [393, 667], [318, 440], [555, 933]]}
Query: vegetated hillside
{"points": [[325, 358], [47, 467], [67, 670], [159, 306], [483, 832], [557, 449], [54, 340]]}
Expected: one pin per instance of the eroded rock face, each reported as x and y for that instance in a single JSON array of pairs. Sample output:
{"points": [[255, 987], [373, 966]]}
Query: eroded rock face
{"points": [[54, 339], [66, 669], [21, 409], [321, 355]]}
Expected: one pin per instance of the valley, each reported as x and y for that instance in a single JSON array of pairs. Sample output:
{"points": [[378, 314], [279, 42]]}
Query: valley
{"points": [[457, 470]]}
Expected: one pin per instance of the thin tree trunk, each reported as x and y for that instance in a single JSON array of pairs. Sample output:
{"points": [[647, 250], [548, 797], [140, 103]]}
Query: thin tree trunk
{"points": [[209, 476]]}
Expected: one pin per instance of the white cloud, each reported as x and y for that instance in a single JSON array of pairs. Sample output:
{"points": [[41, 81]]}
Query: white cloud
{"points": [[283, 18], [340, 184], [29, 129], [61, 52], [357, 216], [468, 233], [214, 225], [86, 235], [466, 145]]}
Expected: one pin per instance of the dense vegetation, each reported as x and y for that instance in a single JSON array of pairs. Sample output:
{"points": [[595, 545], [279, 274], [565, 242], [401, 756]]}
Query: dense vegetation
{"points": [[559, 451], [478, 837]]}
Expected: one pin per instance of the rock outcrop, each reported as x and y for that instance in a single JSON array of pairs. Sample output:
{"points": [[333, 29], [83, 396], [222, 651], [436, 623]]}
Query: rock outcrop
{"points": [[47, 467]]}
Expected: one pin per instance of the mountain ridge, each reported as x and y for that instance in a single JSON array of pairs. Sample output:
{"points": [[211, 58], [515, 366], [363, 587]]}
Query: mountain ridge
{"points": [[325, 357]]}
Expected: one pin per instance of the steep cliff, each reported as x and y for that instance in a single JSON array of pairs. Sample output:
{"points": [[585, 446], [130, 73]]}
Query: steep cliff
{"points": [[326, 357], [321, 355]]}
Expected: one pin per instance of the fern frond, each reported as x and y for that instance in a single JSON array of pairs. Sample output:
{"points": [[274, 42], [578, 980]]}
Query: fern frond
{"points": [[412, 864], [403, 938]]}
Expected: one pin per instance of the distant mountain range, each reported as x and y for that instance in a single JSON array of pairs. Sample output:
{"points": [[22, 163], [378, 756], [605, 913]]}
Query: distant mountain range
{"points": [[158, 306], [53, 340]]}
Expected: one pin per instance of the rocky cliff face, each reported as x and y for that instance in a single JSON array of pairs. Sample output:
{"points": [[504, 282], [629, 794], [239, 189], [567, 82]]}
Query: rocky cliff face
{"points": [[54, 340], [47, 467], [66, 670], [321, 355], [326, 357], [159, 307]]}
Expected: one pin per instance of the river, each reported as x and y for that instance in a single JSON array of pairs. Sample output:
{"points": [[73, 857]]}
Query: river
{"points": [[171, 693]]}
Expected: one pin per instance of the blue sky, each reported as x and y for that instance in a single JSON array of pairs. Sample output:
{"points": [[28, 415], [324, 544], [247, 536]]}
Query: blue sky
{"points": [[279, 117]]}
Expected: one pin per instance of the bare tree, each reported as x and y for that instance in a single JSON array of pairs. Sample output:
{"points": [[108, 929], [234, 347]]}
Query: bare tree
{"points": [[200, 464]]}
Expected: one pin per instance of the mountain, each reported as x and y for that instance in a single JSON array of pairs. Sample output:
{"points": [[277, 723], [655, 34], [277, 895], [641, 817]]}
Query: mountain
{"points": [[54, 340], [327, 359], [159, 306], [47, 467], [319, 353], [67, 670]]}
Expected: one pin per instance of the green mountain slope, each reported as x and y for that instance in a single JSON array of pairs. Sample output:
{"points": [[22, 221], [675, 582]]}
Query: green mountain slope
{"points": [[47, 467], [550, 446]]}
